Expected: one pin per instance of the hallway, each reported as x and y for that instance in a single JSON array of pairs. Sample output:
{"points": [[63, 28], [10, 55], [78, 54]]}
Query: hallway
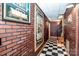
{"points": [[39, 29]]}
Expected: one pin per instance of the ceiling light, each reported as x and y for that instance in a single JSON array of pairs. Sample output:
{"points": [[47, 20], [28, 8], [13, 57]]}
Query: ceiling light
{"points": [[70, 6], [60, 17]]}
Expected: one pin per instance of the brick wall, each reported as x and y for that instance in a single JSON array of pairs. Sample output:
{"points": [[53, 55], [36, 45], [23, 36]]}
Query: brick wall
{"points": [[71, 32], [46, 28], [78, 32], [17, 38], [53, 27]]}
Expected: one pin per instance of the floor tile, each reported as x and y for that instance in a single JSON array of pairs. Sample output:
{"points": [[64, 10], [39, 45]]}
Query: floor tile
{"points": [[52, 49]]}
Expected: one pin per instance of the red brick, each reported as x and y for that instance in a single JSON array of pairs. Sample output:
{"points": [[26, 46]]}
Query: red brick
{"points": [[11, 37], [10, 30], [16, 40], [8, 34], [1, 22], [3, 39], [11, 23], [17, 53], [2, 30], [16, 27], [2, 49], [16, 33], [70, 30], [11, 45], [7, 42], [5, 26], [5, 35], [16, 46], [10, 53], [16, 36], [5, 51]]}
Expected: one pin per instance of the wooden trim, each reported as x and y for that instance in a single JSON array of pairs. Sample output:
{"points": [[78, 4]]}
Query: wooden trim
{"points": [[42, 48], [34, 28], [76, 31], [49, 30], [1, 12], [36, 48]]}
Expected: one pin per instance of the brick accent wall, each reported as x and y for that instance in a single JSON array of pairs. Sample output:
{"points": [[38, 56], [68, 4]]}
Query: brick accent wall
{"points": [[17, 38], [78, 32], [71, 32], [46, 29], [53, 27]]}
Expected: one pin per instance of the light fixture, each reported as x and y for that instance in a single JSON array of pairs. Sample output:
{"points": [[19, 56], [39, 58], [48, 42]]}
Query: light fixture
{"points": [[70, 6], [61, 16], [70, 19], [77, 5]]}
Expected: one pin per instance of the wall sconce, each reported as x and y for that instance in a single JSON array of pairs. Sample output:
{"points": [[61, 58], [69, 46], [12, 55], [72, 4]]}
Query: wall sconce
{"points": [[60, 17], [69, 20]]}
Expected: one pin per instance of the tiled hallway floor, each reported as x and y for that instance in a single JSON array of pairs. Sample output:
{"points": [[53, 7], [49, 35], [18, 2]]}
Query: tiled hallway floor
{"points": [[53, 49]]}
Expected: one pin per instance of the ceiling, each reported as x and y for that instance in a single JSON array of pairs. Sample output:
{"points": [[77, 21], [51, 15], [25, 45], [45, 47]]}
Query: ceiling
{"points": [[52, 10]]}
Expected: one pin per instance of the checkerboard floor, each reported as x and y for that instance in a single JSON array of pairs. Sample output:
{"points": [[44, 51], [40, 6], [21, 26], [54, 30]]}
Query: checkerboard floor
{"points": [[52, 49]]}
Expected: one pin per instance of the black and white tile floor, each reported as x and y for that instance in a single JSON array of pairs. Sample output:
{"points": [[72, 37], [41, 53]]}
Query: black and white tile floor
{"points": [[52, 49]]}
